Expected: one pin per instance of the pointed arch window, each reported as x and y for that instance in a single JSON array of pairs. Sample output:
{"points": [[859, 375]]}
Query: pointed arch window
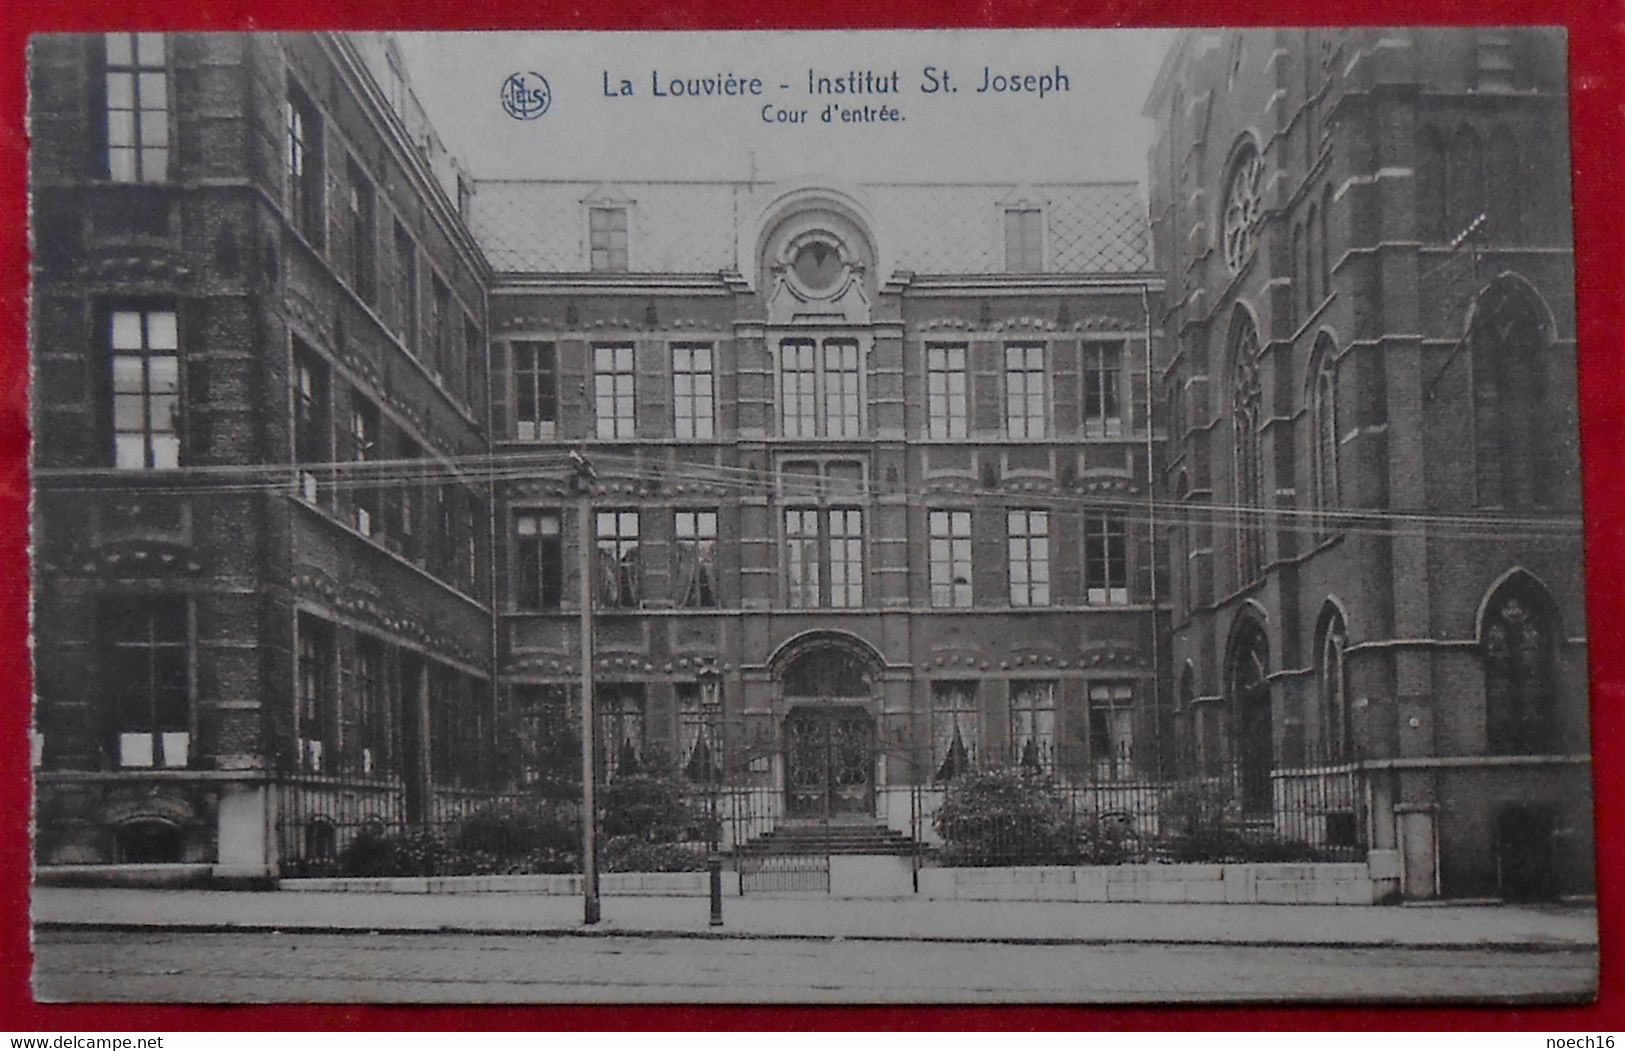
{"points": [[1324, 414], [1517, 647], [1336, 731], [1246, 400], [1513, 428], [1464, 181], [1430, 205], [1325, 243], [1505, 190]]}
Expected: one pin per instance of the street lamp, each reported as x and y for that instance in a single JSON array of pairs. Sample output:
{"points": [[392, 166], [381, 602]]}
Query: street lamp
{"points": [[582, 482], [710, 678]]}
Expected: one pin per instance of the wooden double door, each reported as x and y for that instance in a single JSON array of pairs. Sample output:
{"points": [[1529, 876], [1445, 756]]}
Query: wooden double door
{"points": [[829, 762]]}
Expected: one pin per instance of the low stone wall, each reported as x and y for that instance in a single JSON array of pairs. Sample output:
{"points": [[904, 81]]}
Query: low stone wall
{"points": [[618, 884], [1340, 883]]}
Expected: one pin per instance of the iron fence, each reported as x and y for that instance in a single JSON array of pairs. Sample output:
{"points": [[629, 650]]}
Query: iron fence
{"points": [[1025, 807], [334, 826], [1080, 810]]}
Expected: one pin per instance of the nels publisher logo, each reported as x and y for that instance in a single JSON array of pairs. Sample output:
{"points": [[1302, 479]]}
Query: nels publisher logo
{"points": [[526, 96]]}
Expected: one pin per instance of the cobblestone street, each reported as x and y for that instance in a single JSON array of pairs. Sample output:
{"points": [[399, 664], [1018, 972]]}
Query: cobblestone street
{"points": [[239, 967]]}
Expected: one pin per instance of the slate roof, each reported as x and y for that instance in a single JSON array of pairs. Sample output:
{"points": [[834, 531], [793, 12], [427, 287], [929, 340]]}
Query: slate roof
{"points": [[694, 227]]}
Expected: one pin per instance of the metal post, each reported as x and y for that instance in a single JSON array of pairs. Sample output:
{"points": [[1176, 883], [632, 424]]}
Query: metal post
{"points": [[713, 865], [589, 811]]}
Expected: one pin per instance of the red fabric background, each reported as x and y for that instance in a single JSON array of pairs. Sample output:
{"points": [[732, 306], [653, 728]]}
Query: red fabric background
{"points": [[1597, 32]]}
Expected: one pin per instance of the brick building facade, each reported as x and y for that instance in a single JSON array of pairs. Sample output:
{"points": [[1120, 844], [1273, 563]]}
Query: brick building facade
{"points": [[250, 284], [1373, 436], [882, 452]]}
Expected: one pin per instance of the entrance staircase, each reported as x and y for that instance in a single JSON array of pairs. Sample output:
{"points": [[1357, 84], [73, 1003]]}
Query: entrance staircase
{"points": [[834, 837]]}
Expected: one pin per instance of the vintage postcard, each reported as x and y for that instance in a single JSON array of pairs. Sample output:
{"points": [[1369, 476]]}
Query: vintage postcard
{"points": [[835, 516]]}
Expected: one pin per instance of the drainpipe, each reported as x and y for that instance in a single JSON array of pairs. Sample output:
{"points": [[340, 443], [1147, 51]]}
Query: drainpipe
{"points": [[1151, 531]]}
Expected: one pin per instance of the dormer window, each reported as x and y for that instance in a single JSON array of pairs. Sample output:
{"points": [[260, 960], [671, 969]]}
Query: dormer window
{"points": [[606, 233], [1024, 239]]}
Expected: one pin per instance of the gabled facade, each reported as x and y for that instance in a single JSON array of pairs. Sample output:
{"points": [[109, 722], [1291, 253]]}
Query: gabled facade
{"points": [[873, 470]]}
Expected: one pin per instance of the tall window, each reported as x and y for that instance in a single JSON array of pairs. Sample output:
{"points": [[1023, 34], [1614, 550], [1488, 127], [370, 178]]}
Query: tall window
{"points": [[1111, 729], [535, 391], [363, 437], [1246, 398], [445, 498], [824, 543], [1464, 180], [363, 235], [956, 729], [318, 716], [1024, 390], [1513, 425], [137, 89], [1032, 724], [1102, 390], [1105, 560], [843, 416], [1326, 441], [539, 550], [473, 365], [614, 390], [820, 388], [696, 533], [620, 580], [694, 408], [146, 389], [1519, 686], [312, 433], [439, 325], [798, 388], [408, 501], [148, 679], [369, 753], [1335, 729], [801, 557], [606, 232], [1029, 557], [1325, 242], [621, 739], [1431, 208], [406, 288], [845, 557], [472, 514], [305, 174], [699, 731], [947, 391], [950, 559], [824, 546], [1023, 240], [1311, 289]]}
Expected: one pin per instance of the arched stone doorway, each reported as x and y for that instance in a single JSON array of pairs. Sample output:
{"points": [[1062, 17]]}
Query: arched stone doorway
{"points": [[827, 685], [1248, 689]]}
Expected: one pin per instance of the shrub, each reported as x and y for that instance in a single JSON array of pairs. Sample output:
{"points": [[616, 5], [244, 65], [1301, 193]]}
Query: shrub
{"points": [[635, 854], [1003, 816], [649, 806], [510, 828]]}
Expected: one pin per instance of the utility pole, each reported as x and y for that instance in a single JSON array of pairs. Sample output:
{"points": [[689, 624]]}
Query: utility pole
{"points": [[585, 476]]}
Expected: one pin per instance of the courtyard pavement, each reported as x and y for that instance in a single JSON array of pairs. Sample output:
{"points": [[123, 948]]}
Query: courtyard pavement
{"points": [[820, 917]]}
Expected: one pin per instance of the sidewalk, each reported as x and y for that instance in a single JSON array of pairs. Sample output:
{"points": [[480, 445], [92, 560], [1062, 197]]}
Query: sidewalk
{"points": [[816, 917]]}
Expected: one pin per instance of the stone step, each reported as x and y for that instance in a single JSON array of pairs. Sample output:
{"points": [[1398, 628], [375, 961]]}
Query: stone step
{"points": [[844, 838]]}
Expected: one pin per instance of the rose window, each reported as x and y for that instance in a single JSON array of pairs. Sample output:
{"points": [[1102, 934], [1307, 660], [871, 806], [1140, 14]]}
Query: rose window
{"points": [[1243, 209]]}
